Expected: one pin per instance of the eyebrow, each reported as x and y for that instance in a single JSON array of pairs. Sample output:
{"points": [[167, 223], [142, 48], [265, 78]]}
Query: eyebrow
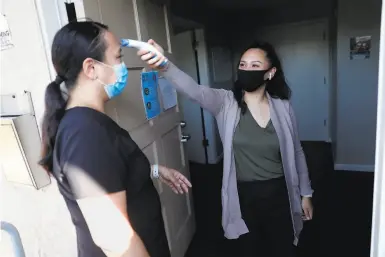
{"points": [[252, 62]]}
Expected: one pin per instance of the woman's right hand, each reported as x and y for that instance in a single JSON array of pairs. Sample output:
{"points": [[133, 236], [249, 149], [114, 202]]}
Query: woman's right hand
{"points": [[152, 59]]}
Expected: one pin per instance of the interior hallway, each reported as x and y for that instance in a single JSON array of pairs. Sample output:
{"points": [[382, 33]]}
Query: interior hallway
{"points": [[342, 201]]}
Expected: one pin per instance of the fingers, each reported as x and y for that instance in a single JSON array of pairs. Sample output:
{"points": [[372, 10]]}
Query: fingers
{"points": [[160, 62], [180, 182], [308, 213], [152, 59], [171, 185], [178, 187], [142, 52], [148, 56], [175, 180], [181, 177], [184, 182], [175, 183]]}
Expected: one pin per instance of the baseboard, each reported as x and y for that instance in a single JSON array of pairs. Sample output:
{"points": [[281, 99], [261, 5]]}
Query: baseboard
{"points": [[354, 167]]}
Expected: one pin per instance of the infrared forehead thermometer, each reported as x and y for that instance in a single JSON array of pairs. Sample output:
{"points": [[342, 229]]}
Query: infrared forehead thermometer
{"points": [[140, 45]]}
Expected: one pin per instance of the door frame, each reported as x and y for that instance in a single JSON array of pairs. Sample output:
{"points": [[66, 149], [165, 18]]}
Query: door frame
{"points": [[378, 220], [329, 72]]}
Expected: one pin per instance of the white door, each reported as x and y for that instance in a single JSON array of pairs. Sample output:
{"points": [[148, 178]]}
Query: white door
{"points": [[304, 52], [160, 138]]}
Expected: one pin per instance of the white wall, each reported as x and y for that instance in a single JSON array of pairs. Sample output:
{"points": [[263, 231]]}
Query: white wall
{"points": [[24, 67], [40, 215], [357, 82]]}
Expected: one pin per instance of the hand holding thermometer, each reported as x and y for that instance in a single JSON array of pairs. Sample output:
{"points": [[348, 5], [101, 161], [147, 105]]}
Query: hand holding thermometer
{"points": [[140, 45]]}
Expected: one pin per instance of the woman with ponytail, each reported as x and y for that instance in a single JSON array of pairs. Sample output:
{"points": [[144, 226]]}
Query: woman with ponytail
{"points": [[104, 177], [266, 192]]}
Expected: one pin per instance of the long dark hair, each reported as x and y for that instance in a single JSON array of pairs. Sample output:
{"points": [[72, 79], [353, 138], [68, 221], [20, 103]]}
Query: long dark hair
{"points": [[72, 44], [276, 87]]}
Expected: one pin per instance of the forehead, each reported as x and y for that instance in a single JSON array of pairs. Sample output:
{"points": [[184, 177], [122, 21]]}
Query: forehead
{"points": [[254, 54], [113, 43]]}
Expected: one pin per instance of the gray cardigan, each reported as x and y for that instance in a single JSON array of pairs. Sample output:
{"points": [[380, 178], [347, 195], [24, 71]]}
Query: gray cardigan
{"points": [[222, 104]]}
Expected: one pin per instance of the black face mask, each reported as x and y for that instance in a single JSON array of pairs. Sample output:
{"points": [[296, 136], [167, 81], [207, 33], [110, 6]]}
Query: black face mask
{"points": [[251, 80]]}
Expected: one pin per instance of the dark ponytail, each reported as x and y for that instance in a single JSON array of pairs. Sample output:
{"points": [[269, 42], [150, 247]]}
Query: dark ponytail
{"points": [[276, 87], [54, 112], [72, 44]]}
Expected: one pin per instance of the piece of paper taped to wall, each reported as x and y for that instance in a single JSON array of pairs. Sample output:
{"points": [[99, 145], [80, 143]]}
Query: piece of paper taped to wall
{"points": [[5, 33]]}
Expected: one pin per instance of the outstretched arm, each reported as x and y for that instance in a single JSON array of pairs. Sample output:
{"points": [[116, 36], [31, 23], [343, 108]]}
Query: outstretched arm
{"points": [[208, 98]]}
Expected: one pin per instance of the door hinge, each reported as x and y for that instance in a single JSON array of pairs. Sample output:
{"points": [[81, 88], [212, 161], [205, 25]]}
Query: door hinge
{"points": [[325, 122], [325, 80], [205, 142]]}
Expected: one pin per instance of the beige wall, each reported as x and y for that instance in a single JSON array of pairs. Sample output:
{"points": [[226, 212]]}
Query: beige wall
{"points": [[40, 215]]}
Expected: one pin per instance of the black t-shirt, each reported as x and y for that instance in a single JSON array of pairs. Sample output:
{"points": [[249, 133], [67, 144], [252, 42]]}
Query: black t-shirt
{"points": [[90, 147]]}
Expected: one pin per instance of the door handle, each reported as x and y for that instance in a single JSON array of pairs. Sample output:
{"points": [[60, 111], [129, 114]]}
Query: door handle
{"points": [[185, 138], [182, 124]]}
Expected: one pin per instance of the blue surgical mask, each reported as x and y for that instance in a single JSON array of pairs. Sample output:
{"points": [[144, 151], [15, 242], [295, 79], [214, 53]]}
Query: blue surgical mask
{"points": [[116, 88]]}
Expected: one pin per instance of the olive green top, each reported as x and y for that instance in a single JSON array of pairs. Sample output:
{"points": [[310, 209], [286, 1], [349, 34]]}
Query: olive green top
{"points": [[256, 150]]}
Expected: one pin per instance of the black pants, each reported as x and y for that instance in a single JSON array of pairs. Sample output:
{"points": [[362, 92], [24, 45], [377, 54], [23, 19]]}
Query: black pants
{"points": [[266, 210]]}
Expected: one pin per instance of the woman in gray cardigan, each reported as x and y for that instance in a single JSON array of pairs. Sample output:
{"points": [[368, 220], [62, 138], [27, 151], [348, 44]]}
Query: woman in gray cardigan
{"points": [[266, 192]]}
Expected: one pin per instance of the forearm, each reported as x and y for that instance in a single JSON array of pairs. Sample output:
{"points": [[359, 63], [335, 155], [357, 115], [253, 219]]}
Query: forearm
{"points": [[135, 248], [208, 98]]}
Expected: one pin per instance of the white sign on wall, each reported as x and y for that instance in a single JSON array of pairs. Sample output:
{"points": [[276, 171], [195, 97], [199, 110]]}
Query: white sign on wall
{"points": [[168, 93], [5, 33]]}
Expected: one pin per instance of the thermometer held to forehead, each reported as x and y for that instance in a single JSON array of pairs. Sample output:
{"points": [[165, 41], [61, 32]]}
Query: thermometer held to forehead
{"points": [[140, 45]]}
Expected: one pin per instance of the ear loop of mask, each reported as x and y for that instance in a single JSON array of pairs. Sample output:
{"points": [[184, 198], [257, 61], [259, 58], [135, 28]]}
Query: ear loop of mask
{"points": [[269, 76], [97, 79]]}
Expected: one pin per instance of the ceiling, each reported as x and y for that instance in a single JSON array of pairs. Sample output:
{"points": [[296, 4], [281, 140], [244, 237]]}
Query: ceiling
{"points": [[246, 4], [217, 12]]}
